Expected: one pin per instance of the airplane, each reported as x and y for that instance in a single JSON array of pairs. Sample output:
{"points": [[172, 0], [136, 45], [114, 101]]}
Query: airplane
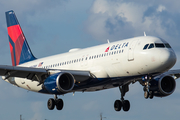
{"points": [[143, 59]]}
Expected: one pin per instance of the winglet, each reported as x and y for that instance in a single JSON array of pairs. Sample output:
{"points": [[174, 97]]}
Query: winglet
{"points": [[19, 48]]}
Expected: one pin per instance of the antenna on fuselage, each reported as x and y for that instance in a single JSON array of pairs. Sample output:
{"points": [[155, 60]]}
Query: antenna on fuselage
{"points": [[144, 33], [108, 40]]}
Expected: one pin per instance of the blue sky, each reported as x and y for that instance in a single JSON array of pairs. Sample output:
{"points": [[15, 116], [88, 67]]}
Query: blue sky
{"points": [[53, 27]]}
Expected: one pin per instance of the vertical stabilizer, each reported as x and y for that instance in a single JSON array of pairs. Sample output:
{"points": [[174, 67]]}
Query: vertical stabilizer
{"points": [[19, 48]]}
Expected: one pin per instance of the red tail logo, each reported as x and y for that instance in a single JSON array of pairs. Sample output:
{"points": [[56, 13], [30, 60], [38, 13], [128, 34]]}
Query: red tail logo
{"points": [[107, 49], [19, 48]]}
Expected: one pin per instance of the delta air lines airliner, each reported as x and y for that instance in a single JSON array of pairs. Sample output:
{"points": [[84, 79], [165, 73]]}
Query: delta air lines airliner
{"points": [[144, 59]]}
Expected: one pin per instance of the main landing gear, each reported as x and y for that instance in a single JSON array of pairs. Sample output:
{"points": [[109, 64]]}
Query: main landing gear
{"points": [[55, 102], [125, 104]]}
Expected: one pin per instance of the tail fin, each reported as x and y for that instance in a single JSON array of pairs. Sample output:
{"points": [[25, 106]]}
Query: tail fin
{"points": [[19, 48]]}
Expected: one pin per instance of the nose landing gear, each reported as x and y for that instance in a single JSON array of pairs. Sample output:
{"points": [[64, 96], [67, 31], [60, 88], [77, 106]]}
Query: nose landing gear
{"points": [[125, 104], [55, 102], [147, 92]]}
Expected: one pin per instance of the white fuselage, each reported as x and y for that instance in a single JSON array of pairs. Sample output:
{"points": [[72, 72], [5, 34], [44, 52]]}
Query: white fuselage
{"points": [[116, 59]]}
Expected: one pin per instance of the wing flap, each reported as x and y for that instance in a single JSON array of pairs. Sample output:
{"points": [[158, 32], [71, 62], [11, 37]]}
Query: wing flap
{"points": [[22, 72], [40, 74]]}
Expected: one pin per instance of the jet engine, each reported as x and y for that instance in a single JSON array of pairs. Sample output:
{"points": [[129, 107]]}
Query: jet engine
{"points": [[59, 83], [162, 85]]}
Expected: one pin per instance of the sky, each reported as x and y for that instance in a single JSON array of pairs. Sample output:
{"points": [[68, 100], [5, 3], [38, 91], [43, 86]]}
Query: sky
{"points": [[53, 27]]}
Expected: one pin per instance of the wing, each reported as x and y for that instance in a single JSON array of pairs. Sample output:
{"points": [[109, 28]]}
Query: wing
{"points": [[174, 73], [39, 74]]}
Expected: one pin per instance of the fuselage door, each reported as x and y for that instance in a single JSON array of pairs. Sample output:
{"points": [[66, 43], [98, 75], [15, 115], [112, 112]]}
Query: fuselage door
{"points": [[131, 50]]}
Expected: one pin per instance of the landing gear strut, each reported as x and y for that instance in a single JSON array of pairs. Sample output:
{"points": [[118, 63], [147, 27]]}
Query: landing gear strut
{"points": [[125, 104], [147, 92], [55, 102]]}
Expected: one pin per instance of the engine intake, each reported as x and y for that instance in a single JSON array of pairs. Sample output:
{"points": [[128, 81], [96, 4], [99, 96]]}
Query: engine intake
{"points": [[167, 84], [59, 83], [163, 86], [65, 82]]}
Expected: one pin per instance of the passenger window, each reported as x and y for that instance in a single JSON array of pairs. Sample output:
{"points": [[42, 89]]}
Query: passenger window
{"points": [[151, 46], [159, 45], [145, 47]]}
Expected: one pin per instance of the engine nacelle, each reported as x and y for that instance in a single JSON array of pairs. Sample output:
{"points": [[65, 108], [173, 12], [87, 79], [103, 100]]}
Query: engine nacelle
{"points": [[162, 86], [59, 83]]}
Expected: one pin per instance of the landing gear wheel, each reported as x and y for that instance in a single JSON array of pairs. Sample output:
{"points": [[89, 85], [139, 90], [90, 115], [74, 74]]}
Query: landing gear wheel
{"points": [[51, 104], [55, 102], [117, 105], [151, 94], [126, 105], [59, 104], [146, 94]]}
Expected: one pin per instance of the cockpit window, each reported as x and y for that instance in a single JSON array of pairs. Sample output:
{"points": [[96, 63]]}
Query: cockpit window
{"points": [[145, 47], [167, 45], [159, 45], [151, 46]]}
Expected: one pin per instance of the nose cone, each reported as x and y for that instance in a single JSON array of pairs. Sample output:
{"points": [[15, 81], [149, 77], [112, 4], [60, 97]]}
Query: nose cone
{"points": [[167, 58]]}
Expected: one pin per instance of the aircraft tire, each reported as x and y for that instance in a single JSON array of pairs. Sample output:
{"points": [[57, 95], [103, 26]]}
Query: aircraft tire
{"points": [[59, 104], [126, 105], [51, 104], [117, 105], [146, 94], [151, 94]]}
